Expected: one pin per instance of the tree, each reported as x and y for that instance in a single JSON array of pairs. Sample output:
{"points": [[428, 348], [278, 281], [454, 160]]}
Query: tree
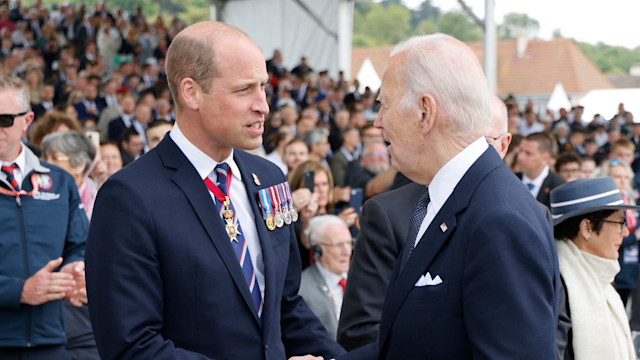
{"points": [[387, 25], [514, 22], [425, 27], [426, 11], [459, 26], [557, 34]]}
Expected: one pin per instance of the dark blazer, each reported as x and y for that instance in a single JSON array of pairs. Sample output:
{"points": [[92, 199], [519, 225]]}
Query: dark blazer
{"points": [[384, 225], [82, 111], [494, 252], [551, 182], [164, 281], [115, 129]]}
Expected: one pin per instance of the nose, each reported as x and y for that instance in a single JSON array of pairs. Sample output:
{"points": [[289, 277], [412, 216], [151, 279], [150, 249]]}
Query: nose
{"points": [[260, 103], [378, 122]]}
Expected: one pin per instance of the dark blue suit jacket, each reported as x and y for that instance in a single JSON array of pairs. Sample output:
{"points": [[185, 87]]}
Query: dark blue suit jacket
{"points": [[164, 281], [494, 251]]}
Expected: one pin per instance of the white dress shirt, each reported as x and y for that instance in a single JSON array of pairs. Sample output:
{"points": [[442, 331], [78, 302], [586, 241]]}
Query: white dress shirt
{"points": [[21, 162], [447, 179], [238, 194], [537, 182]]}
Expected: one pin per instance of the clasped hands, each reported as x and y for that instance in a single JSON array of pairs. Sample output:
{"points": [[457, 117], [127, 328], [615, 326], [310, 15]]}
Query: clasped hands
{"points": [[48, 285]]}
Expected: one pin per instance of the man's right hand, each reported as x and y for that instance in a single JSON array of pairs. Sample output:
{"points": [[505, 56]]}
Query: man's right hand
{"points": [[46, 285]]}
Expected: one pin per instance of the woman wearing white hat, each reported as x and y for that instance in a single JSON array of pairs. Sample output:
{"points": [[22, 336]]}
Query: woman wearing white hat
{"points": [[589, 225]]}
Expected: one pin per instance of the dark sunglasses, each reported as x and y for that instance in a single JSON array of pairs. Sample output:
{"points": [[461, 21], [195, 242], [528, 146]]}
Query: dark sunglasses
{"points": [[6, 120]]}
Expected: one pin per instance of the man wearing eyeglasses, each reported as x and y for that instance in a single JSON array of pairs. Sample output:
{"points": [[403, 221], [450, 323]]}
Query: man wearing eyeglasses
{"points": [[372, 172], [322, 285], [42, 239]]}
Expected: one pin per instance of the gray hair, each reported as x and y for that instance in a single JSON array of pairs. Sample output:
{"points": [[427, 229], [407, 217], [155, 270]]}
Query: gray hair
{"points": [[318, 224], [447, 69], [315, 136], [73, 144], [23, 98]]}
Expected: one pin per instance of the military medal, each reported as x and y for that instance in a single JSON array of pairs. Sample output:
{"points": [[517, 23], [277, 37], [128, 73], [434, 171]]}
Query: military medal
{"points": [[277, 205], [265, 203], [286, 212], [292, 209], [231, 224]]}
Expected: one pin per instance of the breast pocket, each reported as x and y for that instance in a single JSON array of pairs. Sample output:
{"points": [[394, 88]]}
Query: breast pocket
{"points": [[428, 291]]}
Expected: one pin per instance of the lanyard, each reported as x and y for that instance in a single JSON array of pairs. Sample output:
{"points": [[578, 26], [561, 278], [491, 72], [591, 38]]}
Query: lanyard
{"points": [[220, 196], [34, 183]]}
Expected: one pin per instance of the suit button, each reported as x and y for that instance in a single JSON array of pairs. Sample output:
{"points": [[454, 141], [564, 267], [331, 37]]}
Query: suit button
{"points": [[266, 346]]}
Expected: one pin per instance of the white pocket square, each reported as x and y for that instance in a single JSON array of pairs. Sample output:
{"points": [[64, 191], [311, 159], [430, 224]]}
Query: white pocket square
{"points": [[426, 280]]}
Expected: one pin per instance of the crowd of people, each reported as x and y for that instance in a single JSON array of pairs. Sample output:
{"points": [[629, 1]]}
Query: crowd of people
{"points": [[104, 91]]}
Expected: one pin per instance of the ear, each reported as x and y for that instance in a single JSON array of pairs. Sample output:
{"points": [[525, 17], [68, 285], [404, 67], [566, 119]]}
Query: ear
{"points": [[427, 113], [189, 92], [28, 119], [585, 229]]}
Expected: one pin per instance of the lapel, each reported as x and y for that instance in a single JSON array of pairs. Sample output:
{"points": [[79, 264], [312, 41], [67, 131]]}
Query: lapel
{"points": [[545, 188], [188, 180], [438, 233], [248, 168], [321, 284]]}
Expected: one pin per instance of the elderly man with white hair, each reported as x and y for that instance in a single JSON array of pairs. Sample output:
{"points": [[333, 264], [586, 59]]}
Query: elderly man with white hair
{"points": [[322, 285], [479, 264]]}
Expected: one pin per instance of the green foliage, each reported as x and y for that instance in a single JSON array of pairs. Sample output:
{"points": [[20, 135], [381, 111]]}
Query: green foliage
{"points": [[514, 22], [425, 27], [426, 11], [388, 25], [611, 60], [459, 26]]}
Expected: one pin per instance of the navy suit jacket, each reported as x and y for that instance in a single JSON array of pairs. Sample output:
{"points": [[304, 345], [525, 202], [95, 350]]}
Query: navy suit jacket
{"points": [[163, 279], [493, 249]]}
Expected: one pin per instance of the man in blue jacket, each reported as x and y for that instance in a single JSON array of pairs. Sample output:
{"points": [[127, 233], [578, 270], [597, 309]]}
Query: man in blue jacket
{"points": [[43, 227]]}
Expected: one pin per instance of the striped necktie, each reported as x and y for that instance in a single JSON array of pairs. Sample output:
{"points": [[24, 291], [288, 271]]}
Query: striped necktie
{"points": [[8, 171], [223, 173]]}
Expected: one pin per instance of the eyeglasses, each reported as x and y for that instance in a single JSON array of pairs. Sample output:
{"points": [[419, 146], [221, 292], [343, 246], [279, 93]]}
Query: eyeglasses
{"points": [[49, 158], [491, 139], [6, 120], [616, 162], [349, 244], [622, 223]]}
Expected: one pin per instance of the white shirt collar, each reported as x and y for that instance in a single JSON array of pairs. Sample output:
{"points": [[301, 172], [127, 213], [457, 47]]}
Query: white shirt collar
{"points": [[537, 182], [202, 162], [330, 277], [452, 172]]}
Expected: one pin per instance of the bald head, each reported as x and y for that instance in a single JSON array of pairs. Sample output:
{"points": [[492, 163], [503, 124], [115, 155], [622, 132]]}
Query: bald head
{"points": [[192, 54]]}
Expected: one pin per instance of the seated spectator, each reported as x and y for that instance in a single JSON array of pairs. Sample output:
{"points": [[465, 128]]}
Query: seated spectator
{"points": [[156, 132], [295, 152], [372, 172], [280, 139], [47, 92], [534, 159], [318, 142], [51, 122], [73, 152], [587, 167], [125, 120], [110, 161], [319, 202], [346, 153], [322, 285], [568, 166], [589, 225], [131, 146]]}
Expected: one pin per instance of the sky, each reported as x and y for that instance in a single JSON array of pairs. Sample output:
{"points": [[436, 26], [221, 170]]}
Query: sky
{"points": [[613, 22]]}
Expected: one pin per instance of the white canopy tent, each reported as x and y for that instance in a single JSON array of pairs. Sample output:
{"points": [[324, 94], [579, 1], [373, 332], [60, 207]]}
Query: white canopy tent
{"points": [[321, 31], [367, 76], [558, 99]]}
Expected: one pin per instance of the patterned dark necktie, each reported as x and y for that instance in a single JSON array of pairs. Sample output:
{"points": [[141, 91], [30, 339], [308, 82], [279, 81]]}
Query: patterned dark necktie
{"points": [[238, 243], [8, 171], [418, 215]]}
